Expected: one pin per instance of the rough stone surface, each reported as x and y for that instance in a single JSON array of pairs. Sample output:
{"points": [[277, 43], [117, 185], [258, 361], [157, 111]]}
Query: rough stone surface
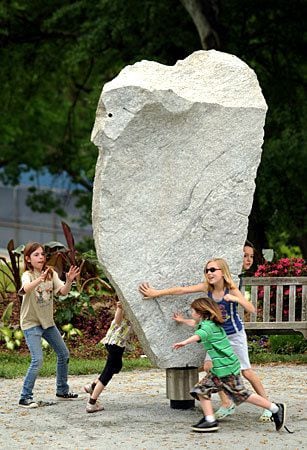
{"points": [[179, 151]]}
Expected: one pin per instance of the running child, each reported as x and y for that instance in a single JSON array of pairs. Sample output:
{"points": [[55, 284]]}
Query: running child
{"points": [[225, 372], [115, 342]]}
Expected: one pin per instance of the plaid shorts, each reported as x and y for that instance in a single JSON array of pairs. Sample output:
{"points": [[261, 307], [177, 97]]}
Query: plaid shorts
{"points": [[232, 385]]}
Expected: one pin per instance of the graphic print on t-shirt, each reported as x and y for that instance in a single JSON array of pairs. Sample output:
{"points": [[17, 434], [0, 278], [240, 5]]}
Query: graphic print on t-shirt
{"points": [[43, 294]]}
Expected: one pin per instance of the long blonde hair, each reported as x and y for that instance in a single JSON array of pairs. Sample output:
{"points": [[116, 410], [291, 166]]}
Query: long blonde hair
{"points": [[222, 264]]}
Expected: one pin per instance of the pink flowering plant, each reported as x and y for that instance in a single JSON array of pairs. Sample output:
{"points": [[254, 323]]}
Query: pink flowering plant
{"points": [[284, 267]]}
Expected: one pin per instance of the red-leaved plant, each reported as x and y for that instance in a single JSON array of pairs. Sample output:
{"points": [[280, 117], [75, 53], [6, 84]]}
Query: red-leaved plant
{"points": [[284, 267]]}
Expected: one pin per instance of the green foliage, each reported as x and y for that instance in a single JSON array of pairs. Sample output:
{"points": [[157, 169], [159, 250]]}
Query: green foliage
{"points": [[6, 285], [10, 271], [91, 284], [70, 306], [278, 348], [268, 35], [56, 56], [85, 245], [59, 56], [14, 365], [288, 251], [12, 335], [271, 358], [257, 345], [288, 344], [70, 332]]}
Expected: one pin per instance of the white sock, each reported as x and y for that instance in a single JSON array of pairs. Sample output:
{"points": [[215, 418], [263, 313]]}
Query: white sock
{"points": [[273, 408], [210, 419]]}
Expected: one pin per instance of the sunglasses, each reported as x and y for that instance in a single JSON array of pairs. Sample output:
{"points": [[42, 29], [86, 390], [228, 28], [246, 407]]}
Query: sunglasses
{"points": [[212, 269]]}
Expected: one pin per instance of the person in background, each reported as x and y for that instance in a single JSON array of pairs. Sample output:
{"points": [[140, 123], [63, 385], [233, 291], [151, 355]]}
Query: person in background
{"points": [[249, 252]]}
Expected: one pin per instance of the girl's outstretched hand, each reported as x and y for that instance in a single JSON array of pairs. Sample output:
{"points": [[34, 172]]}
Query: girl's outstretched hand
{"points": [[178, 316], [73, 272], [44, 275], [147, 291], [178, 345]]}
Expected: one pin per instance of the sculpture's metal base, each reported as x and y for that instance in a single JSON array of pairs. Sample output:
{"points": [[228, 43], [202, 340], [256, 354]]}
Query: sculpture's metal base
{"points": [[182, 404], [179, 381]]}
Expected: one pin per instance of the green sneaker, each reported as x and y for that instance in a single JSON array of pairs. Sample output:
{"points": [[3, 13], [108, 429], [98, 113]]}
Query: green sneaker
{"points": [[222, 412], [265, 416]]}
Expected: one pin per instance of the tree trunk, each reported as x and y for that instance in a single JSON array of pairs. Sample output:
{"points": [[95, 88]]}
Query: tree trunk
{"points": [[203, 14], [256, 230]]}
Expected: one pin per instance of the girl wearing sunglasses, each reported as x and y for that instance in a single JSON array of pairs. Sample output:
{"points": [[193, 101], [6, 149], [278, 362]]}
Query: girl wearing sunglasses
{"points": [[220, 287]]}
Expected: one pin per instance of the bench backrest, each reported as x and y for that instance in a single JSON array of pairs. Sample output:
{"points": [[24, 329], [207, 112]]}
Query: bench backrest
{"points": [[280, 303]]}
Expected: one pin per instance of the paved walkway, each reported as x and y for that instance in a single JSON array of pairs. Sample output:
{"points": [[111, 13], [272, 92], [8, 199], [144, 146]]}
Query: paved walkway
{"points": [[137, 416]]}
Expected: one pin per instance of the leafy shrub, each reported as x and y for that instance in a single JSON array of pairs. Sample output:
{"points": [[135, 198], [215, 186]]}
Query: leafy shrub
{"points": [[284, 267], [11, 334], [10, 270], [70, 306], [258, 344], [288, 344]]}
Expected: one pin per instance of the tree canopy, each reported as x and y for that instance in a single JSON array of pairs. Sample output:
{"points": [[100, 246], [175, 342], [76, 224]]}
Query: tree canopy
{"points": [[56, 57]]}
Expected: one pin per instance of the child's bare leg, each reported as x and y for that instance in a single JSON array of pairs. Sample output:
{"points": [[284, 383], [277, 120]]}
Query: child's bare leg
{"points": [[207, 365], [208, 422], [93, 405], [98, 389], [254, 380], [278, 410], [206, 406], [257, 400], [225, 400]]}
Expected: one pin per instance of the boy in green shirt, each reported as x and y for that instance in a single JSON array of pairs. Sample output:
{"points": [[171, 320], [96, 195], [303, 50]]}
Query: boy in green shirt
{"points": [[225, 372]]}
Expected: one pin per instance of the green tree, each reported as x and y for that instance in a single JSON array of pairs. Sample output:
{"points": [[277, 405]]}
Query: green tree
{"points": [[56, 56], [268, 35]]}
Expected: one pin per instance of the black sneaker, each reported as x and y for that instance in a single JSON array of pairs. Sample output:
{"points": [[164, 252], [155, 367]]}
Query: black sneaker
{"points": [[27, 403], [205, 426], [279, 417], [68, 396]]}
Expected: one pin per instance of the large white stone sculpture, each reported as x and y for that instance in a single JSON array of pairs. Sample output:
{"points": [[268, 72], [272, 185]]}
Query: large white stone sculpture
{"points": [[179, 149]]}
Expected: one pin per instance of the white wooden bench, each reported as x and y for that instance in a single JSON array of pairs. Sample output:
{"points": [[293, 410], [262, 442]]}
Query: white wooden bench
{"points": [[296, 318]]}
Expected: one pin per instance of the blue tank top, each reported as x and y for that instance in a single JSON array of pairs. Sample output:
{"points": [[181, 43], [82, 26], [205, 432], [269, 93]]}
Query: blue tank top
{"points": [[233, 322]]}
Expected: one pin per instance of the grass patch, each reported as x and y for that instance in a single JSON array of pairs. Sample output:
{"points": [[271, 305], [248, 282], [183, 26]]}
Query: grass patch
{"points": [[14, 365], [273, 358]]}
